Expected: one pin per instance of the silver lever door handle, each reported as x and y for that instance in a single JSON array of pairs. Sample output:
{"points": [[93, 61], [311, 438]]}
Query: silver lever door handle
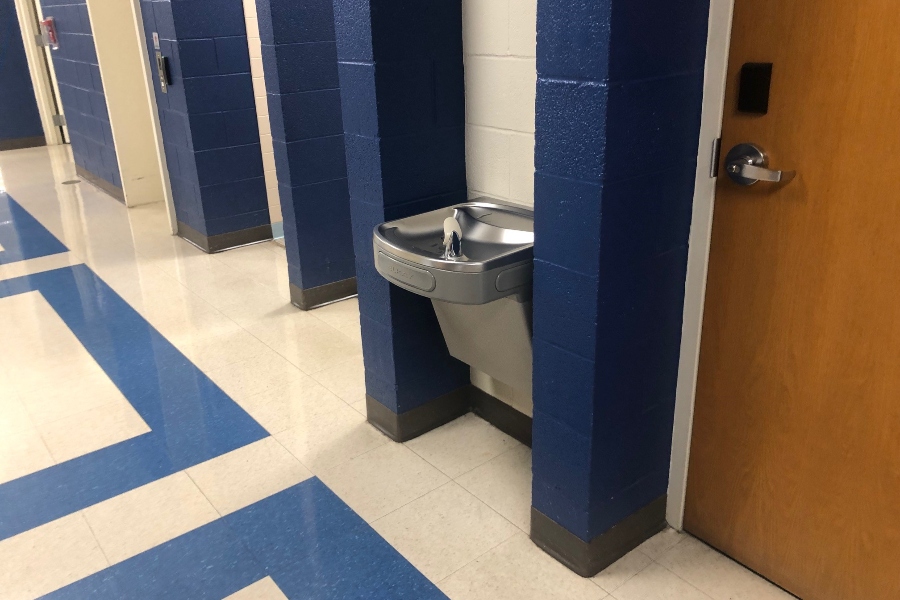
{"points": [[747, 164], [748, 171]]}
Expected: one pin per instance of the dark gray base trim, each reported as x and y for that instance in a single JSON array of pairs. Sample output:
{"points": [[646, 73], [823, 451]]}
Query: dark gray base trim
{"points": [[20, 143], [442, 410], [225, 241], [415, 422], [502, 416], [115, 192], [589, 558], [311, 298]]}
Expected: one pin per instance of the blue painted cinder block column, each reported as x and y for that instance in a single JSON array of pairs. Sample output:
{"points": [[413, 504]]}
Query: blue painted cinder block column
{"points": [[300, 63], [208, 120], [618, 115], [401, 75]]}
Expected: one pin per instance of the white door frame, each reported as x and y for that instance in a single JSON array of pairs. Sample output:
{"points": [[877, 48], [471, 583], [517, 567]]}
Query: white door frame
{"points": [[121, 49], [168, 198], [717, 48], [38, 65]]}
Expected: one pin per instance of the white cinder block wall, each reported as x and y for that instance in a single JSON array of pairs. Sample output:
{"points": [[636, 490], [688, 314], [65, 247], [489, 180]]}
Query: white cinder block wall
{"points": [[499, 43], [499, 40], [262, 108]]}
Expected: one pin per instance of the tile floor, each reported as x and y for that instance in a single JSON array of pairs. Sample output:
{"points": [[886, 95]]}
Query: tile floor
{"points": [[326, 505]]}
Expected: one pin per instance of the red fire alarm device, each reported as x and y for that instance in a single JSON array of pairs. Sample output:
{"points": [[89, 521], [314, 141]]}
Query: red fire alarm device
{"points": [[48, 33]]}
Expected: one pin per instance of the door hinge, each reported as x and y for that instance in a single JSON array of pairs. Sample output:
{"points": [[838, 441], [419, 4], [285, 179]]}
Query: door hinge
{"points": [[40, 41], [59, 120], [714, 158]]}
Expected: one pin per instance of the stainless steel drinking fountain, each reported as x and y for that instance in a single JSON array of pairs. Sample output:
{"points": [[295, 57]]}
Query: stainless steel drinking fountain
{"points": [[475, 261]]}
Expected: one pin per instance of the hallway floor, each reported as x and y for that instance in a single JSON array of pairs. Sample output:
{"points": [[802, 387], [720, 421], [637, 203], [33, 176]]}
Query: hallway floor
{"points": [[171, 427]]}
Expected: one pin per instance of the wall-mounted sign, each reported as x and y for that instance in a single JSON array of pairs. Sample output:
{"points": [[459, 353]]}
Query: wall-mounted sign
{"points": [[48, 33]]}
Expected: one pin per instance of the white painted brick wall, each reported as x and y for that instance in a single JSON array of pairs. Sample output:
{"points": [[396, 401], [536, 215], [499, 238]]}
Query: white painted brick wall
{"points": [[499, 42], [262, 108], [501, 73]]}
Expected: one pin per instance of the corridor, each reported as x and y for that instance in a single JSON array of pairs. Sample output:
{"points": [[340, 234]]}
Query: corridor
{"points": [[171, 427]]}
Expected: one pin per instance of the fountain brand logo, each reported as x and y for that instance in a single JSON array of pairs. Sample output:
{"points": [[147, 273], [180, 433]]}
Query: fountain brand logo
{"points": [[401, 273], [405, 274]]}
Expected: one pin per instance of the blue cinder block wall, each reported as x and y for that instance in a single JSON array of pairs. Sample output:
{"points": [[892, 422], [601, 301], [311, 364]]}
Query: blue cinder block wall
{"points": [[19, 116], [300, 62], [81, 90], [618, 114], [401, 74], [208, 117]]}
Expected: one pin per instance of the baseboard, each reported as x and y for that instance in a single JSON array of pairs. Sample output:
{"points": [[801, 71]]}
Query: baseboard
{"points": [[440, 411], [310, 298], [114, 191], [20, 143], [589, 558], [501, 415], [413, 423], [225, 241]]}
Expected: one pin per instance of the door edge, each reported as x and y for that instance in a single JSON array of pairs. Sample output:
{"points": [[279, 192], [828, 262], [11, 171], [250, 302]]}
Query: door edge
{"points": [[717, 48], [150, 90]]}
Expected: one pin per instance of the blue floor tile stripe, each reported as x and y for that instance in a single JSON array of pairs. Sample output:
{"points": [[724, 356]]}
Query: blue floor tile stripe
{"points": [[22, 237], [192, 420], [312, 545]]}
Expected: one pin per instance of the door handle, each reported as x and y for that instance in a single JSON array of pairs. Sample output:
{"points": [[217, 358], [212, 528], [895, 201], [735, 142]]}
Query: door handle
{"points": [[162, 71], [747, 164], [748, 171]]}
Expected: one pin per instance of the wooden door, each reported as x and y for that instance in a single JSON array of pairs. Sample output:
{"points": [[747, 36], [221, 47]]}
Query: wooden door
{"points": [[795, 456]]}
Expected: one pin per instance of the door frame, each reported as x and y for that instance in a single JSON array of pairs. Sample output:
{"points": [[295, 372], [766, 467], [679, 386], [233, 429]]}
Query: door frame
{"points": [[716, 73], [168, 197], [40, 68], [121, 50]]}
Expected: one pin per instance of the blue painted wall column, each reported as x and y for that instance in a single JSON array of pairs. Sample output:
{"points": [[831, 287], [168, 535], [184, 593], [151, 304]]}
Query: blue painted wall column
{"points": [[618, 115], [82, 96], [20, 121], [208, 119], [300, 62], [402, 91]]}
